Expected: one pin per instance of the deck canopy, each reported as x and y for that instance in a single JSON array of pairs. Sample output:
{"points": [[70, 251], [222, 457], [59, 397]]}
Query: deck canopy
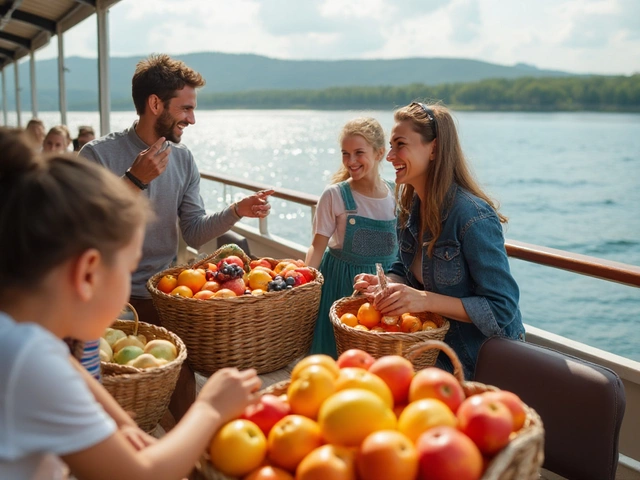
{"points": [[28, 25]]}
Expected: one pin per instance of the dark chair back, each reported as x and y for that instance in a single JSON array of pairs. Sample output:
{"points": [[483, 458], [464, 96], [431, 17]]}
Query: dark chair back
{"points": [[581, 404]]}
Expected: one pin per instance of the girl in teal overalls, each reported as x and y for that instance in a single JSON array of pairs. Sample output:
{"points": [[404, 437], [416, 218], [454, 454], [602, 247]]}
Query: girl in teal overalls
{"points": [[356, 219]]}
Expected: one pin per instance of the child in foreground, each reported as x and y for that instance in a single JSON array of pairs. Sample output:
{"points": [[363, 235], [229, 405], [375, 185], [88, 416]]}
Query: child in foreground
{"points": [[356, 219], [71, 236]]}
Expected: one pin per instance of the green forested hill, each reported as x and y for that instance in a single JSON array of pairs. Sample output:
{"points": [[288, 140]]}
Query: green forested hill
{"points": [[237, 73], [527, 94]]}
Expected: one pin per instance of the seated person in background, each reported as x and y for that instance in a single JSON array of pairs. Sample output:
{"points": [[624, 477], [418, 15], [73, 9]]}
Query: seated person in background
{"points": [[35, 132], [93, 227], [452, 259], [57, 140], [85, 135]]}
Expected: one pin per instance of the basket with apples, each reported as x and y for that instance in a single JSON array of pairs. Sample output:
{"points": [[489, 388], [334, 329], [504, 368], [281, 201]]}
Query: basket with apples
{"points": [[361, 418], [232, 311], [357, 324], [140, 366]]}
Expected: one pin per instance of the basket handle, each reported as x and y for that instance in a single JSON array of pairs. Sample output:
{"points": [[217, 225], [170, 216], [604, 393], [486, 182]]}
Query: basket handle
{"points": [[136, 319], [422, 347]]}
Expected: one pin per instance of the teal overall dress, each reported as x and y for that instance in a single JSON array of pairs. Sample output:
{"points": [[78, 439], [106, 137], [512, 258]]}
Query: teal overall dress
{"points": [[366, 242]]}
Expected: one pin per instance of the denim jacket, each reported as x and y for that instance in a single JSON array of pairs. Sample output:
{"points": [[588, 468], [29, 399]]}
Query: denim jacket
{"points": [[469, 262]]}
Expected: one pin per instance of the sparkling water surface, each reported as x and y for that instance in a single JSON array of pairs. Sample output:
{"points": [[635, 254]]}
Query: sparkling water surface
{"points": [[565, 180]]}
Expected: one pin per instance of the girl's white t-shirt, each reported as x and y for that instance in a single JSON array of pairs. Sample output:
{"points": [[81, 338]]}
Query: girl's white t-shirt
{"points": [[46, 408], [331, 218]]}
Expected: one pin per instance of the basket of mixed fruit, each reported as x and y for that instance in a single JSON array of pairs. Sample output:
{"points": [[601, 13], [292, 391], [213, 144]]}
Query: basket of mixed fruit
{"points": [[379, 419], [232, 311], [140, 366]]}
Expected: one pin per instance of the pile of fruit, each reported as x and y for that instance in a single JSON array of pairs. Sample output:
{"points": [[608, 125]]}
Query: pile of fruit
{"points": [[229, 276], [134, 350], [367, 419], [369, 319]]}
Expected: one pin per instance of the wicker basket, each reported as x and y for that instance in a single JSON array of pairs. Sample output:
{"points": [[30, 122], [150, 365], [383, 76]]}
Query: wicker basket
{"points": [[264, 332], [521, 459], [379, 344], [144, 393]]}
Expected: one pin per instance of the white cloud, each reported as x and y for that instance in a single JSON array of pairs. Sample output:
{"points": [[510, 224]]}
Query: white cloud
{"points": [[595, 36]]}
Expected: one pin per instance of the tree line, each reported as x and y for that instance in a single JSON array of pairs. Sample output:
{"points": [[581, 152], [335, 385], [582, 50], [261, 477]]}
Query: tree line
{"points": [[597, 93]]}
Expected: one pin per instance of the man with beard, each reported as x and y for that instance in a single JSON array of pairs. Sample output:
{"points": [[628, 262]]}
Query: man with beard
{"points": [[151, 160]]}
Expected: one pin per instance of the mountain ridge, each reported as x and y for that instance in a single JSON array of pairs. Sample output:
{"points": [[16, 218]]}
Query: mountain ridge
{"points": [[227, 73]]}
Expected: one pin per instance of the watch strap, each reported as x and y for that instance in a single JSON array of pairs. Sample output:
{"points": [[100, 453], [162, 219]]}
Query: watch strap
{"points": [[135, 180]]}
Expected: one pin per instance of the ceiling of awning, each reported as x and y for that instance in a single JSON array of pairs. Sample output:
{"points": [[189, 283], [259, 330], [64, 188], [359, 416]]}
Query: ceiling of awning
{"points": [[27, 25]]}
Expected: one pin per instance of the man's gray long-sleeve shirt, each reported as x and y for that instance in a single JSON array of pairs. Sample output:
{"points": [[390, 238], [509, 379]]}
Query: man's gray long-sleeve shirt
{"points": [[175, 197]]}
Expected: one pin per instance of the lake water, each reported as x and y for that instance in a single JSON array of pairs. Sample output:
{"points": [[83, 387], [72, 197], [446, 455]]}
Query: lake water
{"points": [[565, 180]]}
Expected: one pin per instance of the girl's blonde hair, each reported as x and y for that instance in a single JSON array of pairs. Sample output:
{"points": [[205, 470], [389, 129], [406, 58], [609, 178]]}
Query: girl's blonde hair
{"points": [[369, 129], [53, 207], [449, 166]]}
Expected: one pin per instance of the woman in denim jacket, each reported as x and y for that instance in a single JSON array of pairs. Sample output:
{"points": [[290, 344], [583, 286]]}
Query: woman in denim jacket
{"points": [[452, 259]]}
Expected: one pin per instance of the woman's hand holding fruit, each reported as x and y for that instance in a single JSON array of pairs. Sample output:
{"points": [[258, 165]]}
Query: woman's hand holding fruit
{"points": [[229, 391], [399, 298]]}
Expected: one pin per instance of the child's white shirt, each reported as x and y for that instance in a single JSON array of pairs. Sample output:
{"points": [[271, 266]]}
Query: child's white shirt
{"points": [[46, 408], [331, 218]]}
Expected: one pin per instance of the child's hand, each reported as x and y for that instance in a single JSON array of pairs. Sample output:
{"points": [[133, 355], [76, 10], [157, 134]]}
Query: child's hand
{"points": [[229, 391], [137, 437]]}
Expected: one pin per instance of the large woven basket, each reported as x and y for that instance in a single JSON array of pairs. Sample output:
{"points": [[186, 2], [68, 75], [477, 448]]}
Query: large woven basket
{"points": [[264, 332], [379, 344], [144, 393], [521, 459]]}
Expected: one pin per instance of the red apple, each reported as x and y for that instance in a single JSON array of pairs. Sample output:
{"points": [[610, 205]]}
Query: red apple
{"points": [[299, 278], [486, 421], [354, 357], [236, 285], [385, 455], [267, 412], [308, 274], [397, 372], [513, 403], [445, 453], [433, 382], [231, 259]]}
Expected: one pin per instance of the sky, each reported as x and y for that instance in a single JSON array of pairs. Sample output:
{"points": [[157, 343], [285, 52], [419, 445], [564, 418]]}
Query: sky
{"points": [[578, 36]]}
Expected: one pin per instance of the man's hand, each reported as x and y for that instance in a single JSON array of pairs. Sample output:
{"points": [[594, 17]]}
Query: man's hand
{"points": [[255, 206], [150, 163]]}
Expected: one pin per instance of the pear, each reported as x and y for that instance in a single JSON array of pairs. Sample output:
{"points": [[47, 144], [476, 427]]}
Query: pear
{"points": [[126, 341], [162, 349], [106, 354], [112, 335], [142, 338], [126, 354], [146, 360]]}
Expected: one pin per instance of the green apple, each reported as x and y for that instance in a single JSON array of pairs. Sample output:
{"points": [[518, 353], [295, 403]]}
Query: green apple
{"points": [[126, 354]]}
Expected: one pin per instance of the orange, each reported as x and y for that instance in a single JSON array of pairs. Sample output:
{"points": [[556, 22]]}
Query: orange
{"points": [[259, 279], [368, 315], [348, 416], [204, 294], [182, 291], [410, 323], [421, 415], [224, 293], [349, 319], [194, 279], [387, 454], [312, 386], [355, 377], [429, 325], [329, 462], [238, 448], [361, 327], [317, 359], [269, 473], [291, 439], [167, 283]]}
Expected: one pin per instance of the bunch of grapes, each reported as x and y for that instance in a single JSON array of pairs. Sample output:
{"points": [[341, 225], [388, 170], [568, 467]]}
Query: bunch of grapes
{"points": [[228, 272], [279, 283]]}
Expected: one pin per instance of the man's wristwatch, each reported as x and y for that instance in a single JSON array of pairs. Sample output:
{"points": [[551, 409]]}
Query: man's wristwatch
{"points": [[135, 180]]}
